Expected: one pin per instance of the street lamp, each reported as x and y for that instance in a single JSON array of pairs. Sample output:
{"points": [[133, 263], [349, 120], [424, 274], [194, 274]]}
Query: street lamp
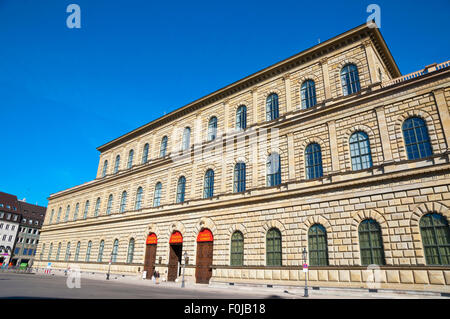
{"points": [[109, 267], [184, 266], [68, 261], [305, 269]]}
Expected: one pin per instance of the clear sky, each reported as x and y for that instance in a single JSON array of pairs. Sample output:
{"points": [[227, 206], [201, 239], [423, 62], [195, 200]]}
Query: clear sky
{"points": [[64, 92]]}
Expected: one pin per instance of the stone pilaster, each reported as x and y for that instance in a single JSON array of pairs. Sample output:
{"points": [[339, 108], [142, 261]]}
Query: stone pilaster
{"points": [[255, 105], [333, 146], [226, 115], [367, 44], [444, 116], [287, 87], [291, 158], [384, 134], [326, 78]]}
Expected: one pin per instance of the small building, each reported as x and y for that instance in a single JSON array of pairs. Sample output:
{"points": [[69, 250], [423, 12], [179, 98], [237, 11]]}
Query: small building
{"points": [[9, 224], [32, 218]]}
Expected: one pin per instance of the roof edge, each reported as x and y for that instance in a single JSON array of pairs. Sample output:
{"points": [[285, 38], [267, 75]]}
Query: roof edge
{"points": [[250, 77]]}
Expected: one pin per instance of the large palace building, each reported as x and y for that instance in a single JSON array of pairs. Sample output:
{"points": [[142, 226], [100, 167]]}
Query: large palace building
{"points": [[331, 152]]}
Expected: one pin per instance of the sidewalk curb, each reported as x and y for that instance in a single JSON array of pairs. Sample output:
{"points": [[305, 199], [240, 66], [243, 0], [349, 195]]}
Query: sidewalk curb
{"points": [[330, 289], [259, 288]]}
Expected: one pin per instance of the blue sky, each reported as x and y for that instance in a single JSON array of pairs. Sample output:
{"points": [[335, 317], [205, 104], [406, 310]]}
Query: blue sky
{"points": [[64, 92]]}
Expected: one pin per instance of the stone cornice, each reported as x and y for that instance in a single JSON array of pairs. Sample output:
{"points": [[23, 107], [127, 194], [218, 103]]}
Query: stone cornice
{"points": [[376, 174]]}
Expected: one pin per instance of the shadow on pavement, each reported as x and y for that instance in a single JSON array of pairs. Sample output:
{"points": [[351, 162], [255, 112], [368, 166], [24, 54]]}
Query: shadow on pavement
{"points": [[26, 297]]}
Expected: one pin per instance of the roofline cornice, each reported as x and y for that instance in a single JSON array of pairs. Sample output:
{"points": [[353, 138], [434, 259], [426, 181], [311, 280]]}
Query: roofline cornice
{"points": [[305, 56]]}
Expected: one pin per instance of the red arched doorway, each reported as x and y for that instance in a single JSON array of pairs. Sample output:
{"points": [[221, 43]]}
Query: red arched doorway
{"points": [[175, 255], [150, 255], [203, 269]]}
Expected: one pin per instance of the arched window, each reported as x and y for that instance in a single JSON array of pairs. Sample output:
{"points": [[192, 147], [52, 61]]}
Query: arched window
{"points": [[145, 154], [273, 169], [66, 217], [117, 163], [241, 118], [350, 79], [163, 148], [41, 255], [75, 214], [50, 251], [66, 258], [313, 161], [157, 195], [273, 247], [51, 216], [123, 202], [109, 205], [100, 251], [237, 249], [360, 151], [115, 250], [308, 94], [239, 177], [272, 111], [208, 186], [59, 215], [130, 159], [138, 203], [77, 251], [186, 139], [58, 251], [435, 233], [88, 251], [86, 209], [212, 128], [130, 251], [105, 167], [317, 244], [97, 207], [417, 140], [370, 243], [181, 187]]}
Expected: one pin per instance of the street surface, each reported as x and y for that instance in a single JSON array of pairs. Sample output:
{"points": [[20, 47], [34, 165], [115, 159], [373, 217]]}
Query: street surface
{"points": [[47, 286]]}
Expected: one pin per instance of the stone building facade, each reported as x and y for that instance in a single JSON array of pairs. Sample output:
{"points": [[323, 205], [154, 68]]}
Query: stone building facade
{"points": [[362, 178]]}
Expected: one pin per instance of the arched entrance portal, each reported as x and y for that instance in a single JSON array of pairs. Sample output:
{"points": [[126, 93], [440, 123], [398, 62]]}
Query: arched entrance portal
{"points": [[176, 249], [203, 269], [150, 255]]}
